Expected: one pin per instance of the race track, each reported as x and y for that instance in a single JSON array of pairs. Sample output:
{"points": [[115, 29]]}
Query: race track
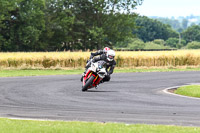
{"points": [[128, 98]]}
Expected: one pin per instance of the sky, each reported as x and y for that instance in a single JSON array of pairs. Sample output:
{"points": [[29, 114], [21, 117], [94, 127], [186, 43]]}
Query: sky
{"points": [[169, 8]]}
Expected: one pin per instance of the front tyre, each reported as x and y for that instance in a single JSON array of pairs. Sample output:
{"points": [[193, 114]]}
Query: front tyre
{"points": [[88, 83]]}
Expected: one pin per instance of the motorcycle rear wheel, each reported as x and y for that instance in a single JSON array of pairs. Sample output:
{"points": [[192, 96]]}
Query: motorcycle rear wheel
{"points": [[88, 83]]}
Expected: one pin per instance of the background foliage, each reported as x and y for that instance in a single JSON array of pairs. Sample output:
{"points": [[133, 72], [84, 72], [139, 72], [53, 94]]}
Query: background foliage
{"points": [[49, 25], [57, 25]]}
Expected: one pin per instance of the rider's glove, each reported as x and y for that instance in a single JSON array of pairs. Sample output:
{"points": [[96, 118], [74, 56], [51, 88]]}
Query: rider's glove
{"points": [[91, 61]]}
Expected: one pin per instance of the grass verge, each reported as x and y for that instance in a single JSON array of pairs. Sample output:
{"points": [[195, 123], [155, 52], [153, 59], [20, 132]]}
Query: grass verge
{"points": [[38, 72], [14, 73], [31, 126], [190, 90]]}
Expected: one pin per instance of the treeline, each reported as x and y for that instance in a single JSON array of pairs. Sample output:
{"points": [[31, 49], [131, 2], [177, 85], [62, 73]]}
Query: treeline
{"points": [[179, 23], [152, 34], [49, 25]]}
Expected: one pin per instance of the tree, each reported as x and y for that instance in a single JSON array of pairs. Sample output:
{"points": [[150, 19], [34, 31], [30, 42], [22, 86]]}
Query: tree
{"points": [[6, 6], [174, 43], [192, 33], [59, 21], [45, 25], [184, 24], [149, 30], [23, 25], [103, 23], [175, 24]]}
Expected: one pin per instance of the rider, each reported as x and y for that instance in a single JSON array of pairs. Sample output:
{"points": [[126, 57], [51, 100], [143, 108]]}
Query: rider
{"points": [[110, 63], [99, 52]]}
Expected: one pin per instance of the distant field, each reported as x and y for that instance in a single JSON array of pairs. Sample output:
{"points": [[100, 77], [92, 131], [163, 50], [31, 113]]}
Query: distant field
{"points": [[131, 59]]}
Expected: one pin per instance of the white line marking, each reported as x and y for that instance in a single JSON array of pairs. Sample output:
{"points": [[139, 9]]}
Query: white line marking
{"points": [[174, 87]]}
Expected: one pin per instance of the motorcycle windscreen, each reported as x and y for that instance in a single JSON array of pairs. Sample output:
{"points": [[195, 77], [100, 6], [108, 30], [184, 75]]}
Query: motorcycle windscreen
{"points": [[101, 64]]}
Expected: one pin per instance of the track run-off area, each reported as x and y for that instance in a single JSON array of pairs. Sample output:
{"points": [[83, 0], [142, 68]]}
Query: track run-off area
{"points": [[133, 98]]}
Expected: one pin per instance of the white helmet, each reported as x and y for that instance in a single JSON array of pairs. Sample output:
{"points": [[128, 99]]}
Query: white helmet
{"points": [[110, 55], [106, 49]]}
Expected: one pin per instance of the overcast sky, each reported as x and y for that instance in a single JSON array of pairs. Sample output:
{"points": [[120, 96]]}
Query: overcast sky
{"points": [[169, 8]]}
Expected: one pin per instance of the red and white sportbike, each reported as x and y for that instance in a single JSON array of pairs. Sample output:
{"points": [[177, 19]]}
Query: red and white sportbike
{"points": [[95, 73]]}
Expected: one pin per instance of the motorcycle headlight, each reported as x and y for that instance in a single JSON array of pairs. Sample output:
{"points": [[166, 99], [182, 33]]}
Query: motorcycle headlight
{"points": [[101, 74]]}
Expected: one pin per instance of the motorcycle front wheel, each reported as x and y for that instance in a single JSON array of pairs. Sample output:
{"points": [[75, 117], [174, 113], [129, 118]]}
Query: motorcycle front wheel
{"points": [[88, 83]]}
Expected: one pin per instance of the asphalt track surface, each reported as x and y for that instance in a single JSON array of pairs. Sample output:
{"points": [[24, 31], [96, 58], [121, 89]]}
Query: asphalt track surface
{"points": [[127, 98]]}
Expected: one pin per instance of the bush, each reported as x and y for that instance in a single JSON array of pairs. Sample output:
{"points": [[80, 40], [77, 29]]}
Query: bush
{"points": [[193, 45], [136, 44], [192, 33], [159, 42], [152, 45]]}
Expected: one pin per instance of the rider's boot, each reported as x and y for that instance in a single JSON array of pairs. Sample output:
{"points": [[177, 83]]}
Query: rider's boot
{"points": [[98, 84], [96, 87]]}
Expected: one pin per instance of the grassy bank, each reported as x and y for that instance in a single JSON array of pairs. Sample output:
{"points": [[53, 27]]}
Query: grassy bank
{"points": [[30, 126], [191, 90], [14, 73], [38, 72]]}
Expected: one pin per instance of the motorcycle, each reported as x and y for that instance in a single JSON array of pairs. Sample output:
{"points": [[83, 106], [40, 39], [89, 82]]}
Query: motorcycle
{"points": [[94, 75]]}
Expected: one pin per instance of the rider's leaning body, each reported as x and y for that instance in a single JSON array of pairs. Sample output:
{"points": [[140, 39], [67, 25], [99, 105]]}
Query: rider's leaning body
{"points": [[110, 63], [99, 52], [107, 56]]}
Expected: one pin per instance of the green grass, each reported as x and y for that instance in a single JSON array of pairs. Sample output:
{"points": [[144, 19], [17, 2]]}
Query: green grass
{"points": [[31, 126], [191, 90], [13, 73]]}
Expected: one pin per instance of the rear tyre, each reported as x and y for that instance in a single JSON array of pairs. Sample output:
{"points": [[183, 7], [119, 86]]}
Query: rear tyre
{"points": [[88, 83]]}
